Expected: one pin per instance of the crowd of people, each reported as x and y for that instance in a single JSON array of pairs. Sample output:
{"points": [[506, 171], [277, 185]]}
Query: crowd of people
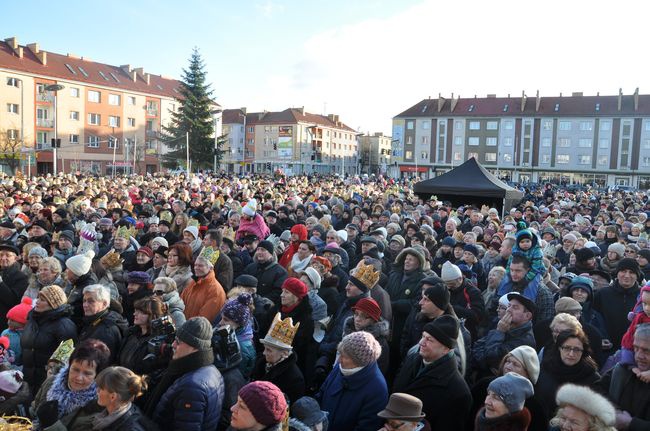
{"points": [[312, 303]]}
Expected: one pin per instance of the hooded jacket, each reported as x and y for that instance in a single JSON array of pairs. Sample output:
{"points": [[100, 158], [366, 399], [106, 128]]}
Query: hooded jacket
{"points": [[301, 231], [404, 288]]}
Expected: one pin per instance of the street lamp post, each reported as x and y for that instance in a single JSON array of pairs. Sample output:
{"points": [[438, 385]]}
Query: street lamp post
{"points": [[54, 88]]}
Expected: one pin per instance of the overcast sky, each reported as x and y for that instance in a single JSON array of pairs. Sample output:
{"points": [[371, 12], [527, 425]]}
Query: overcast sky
{"points": [[366, 60]]}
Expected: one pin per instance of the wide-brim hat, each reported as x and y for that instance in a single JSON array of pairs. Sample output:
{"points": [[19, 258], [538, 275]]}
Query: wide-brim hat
{"points": [[403, 407]]}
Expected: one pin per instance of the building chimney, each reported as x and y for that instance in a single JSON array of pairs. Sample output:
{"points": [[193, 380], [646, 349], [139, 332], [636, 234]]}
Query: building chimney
{"points": [[636, 99], [538, 101], [302, 110], [330, 117], [523, 101], [454, 102], [147, 78], [491, 96], [126, 68], [12, 42], [441, 103], [576, 94], [620, 98], [33, 47], [42, 57], [243, 110]]}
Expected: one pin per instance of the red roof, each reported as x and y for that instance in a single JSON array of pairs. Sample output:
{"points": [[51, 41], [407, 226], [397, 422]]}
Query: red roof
{"points": [[574, 106], [294, 116], [233, 116], [85, 71]]}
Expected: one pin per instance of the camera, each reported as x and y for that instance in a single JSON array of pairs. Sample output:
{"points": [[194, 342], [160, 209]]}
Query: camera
{"points": [[164, 332], [225, 347]]}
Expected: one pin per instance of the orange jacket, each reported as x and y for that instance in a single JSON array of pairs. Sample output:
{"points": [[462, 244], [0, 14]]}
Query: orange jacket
{"points": [[204, 297]]}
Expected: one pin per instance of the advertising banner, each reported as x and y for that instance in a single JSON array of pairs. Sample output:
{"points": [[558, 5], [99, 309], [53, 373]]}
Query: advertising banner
{"points": [[285, 142]]}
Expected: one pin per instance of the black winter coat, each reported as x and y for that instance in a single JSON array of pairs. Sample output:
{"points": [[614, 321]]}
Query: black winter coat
{"points": [[286, 375], [76, 296], [133, 420], [446, 398], [13, 284], [304, 345], [614, 302], [130, 299], [134, 348], [42, 335], [469, 305], [106, 326], [270, 277], [404, 295]]}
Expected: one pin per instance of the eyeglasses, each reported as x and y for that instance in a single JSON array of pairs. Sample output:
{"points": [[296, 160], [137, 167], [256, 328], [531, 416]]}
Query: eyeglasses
{"points": [[158, 292], [569, 349]]}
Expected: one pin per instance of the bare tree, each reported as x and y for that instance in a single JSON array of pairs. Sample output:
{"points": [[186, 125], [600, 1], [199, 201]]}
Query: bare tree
{"points": [[10, 147]]}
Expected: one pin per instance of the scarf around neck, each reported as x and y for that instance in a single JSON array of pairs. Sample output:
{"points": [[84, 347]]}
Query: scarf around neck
{"points": [[68, 399], [103, 419]]}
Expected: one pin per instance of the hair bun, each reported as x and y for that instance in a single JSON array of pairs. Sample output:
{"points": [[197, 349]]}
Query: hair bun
{"points": [[245, 299]]}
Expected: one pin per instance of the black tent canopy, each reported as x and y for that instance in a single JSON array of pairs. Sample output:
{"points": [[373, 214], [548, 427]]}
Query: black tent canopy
{"points": [[469, 183]]}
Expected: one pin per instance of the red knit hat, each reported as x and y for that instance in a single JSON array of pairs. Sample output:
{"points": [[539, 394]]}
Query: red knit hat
{"points": [[4, 342], [370, 307], [265, 401], [146, 250], [19, 312], [295, 286]]}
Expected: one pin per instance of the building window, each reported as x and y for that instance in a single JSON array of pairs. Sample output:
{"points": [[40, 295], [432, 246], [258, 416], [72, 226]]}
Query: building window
{"points": [[472, 155], [93, 141], [94, 119], [490, 157], [73, 139], [424, 155], [408, 154], [563, 158], [94, 96], [584, 143], [409, 125], [565, 125], [12, 134], [425, 125], [131, 122], [492, 125], [473, 141], [546, 158], [458, 140], [41, 139], [113, 143], [113, 121], [458, 125], [425, 140], [602, 160], [458, 156], [604, 143], [12, 82], [547, 125], [564, 142], [507, 157], [586, 126], [74, 92], [74, 115], [114, 99], [606, 126], [131, 100], [584, 160], [507, 142], [492, 142], [251, 129], [546, 142], [507, 125], [646, 144], [12, 108], [645, 162], [474, 125], [647, 126]]}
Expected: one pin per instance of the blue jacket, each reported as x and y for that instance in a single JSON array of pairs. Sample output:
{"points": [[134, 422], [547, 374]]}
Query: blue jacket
{"points": [[193, 402], [354, 401]]}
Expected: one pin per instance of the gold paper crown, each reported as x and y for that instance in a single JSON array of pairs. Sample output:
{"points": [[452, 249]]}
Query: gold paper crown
{"points": [[124, 232], [166, 216], [367, 275], [58, 200], [55, 236], [63, 352], [281, 333], [111, 259], [210, 254], [229, 233], [193, 222]]}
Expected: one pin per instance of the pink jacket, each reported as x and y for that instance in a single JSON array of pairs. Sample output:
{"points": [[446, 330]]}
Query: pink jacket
{"points": [[257, 226]]}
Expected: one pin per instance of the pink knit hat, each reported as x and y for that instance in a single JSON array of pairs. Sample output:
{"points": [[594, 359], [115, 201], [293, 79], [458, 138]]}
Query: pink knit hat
{"points": [[265, 401], [361, 347]]}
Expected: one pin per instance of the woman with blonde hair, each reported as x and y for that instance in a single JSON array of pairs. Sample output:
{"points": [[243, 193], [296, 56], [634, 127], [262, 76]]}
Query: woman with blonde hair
{"points": [[180, 223], [117, 387]]}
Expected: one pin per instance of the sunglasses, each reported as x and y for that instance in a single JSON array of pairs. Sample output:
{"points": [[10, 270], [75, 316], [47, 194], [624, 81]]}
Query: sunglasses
{"points": [[158, 292]]}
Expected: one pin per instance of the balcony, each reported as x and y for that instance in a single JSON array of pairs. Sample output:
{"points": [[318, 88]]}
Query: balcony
{"points": [[44, 122], [44, 97], [151, 133], [152, 112]]}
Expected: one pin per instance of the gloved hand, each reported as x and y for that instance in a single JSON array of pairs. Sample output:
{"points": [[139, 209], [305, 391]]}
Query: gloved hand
{"points": [[320, 374], [48, 413]]}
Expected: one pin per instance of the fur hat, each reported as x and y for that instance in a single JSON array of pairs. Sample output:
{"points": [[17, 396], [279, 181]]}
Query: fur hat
{"points": [[584, 254], [361, 347], [54, 295], [444, 329], [265, 401], [238, 309], [570, 237], [399, 261], [617, 248], [80, 264], [18, 313], [529, 359], [450, 272], [588, 401], [513, 389]]}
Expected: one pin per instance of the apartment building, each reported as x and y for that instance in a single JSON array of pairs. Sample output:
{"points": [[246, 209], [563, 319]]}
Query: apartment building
{"points": [[375, 154], [107, 118], [601, 140], [292, 140]]}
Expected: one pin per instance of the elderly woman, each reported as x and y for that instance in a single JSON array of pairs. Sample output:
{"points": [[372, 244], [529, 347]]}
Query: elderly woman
{"points": [[260, 406], [567, 361], [179, 265], [117, 387], [33, 258], [494, 278], [355, 390], [100, 322], [328, 288], [48, 324], [295, 304], [138, 287], [49, 272], [582, 409], [165, 288], [367, 317], [504, 405], [204, 295], [237, 314], [71, 395]]}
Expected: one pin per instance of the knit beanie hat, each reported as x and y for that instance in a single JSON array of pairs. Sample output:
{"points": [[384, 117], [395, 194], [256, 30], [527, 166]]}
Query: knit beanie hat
{"points": [[146, 251], [10, 381], [444, 329], [645, 253], [449, 241], [67, 234], [5, 342], [38, 251], [265, 401], [361, 347], [196, 332], [80, 264], [54, 295], [343, 234], [138, 277], [617, 248], [245, 280], [528, 357], [161, 241], [393, 226], [192, 230], [513, 389], [18, 313], [250, 208], [631, 264], [399, 238], [584, 254], [570, 237], [567, 304], [266, 245], [238, 309], [370, 307], [438, 294], [295, 286], [450, 272]]}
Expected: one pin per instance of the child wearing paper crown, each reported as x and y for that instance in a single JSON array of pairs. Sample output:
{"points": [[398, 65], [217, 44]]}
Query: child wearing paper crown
{"points": [[16, 321]]}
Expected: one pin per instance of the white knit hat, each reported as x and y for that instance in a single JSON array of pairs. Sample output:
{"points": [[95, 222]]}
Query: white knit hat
{"points": [[80, 264], [342, 234], [588, 401], [10, 381], [528, 357], [193, 230], [450, 272], [250, 208], [160, 241], [617, 248]]}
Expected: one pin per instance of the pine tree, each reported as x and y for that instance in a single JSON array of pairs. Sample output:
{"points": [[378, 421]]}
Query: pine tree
{"points": [[194, 115]]}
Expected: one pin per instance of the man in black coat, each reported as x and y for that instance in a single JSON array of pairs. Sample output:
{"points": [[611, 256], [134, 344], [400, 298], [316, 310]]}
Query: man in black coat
{"points": [[466, 299], [270, 275], [13, 282], [432, 376]]}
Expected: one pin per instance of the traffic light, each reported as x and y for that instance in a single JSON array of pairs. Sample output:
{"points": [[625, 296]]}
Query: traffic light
{"points": [[275, 146], [268, 165]]}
